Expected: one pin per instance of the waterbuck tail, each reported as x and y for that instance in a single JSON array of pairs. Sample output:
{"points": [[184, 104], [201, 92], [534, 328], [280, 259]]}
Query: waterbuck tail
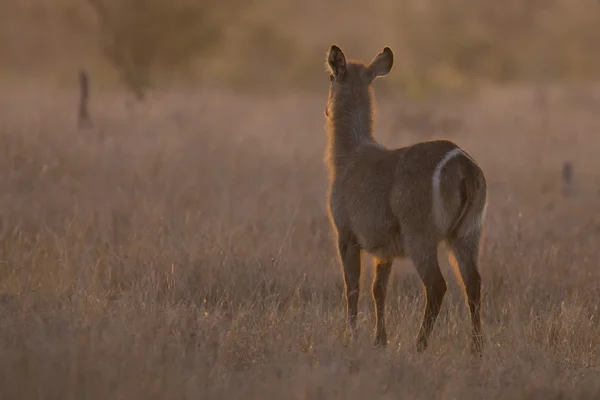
{"points": [[473, 194]]}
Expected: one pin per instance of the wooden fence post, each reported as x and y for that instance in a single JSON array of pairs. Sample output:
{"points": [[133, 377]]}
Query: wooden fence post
{"points": [[84, 119]]}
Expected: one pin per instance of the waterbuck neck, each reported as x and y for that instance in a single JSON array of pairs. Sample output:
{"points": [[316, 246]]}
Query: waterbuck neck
{"points": [[350, 122]]}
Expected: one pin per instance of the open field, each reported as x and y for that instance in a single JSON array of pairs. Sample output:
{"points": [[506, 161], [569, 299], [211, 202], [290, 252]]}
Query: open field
{"points": [[180, 249]]}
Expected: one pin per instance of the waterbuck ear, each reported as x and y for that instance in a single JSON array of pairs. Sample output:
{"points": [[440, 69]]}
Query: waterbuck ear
{"points": [[336, 60], [382, 63]]}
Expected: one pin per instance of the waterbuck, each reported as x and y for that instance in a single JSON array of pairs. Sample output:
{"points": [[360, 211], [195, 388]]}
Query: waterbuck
{"points": [[397, 203]]}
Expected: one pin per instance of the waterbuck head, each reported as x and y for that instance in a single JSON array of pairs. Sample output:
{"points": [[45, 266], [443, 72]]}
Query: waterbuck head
{"points": [[351, 80]]}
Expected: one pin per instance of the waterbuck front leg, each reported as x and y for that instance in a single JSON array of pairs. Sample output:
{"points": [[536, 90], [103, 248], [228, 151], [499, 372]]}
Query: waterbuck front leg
{"points": [[423, 254], [349, 250], [464, 257], [383, 269]]}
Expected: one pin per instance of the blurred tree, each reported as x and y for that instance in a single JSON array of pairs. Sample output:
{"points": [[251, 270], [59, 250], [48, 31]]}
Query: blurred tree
{"points": [[141, 37]]}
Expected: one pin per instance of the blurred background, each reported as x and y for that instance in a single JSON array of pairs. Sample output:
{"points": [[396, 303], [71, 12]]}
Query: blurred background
{"points": [[441, 46]]}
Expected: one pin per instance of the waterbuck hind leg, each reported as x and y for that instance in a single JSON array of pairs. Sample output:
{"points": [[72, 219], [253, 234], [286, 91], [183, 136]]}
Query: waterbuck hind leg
{"points": [[464, 254], [423, 254], [350, 256], [383, 269]]}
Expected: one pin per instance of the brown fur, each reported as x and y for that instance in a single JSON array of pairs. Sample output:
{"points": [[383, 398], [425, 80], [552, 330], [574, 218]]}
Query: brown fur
{"points": [[396, 203]]}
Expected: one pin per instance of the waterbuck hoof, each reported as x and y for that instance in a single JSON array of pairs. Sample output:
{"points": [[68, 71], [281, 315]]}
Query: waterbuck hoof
{"points": [[381, 342], [477, 346], [351, 337], [421, 345]]}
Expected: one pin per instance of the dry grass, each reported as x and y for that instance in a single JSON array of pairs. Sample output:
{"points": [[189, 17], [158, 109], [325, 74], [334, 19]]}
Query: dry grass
{"points": [[181, 250]]}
